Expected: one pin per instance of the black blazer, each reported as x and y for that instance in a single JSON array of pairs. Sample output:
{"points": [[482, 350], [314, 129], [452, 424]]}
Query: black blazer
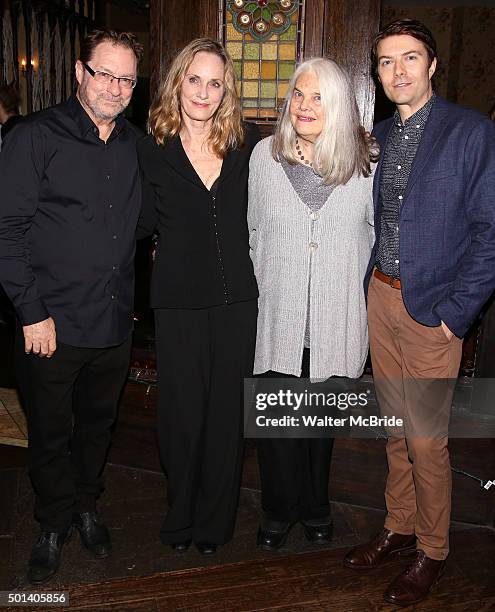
{"points": [[202, 258]]}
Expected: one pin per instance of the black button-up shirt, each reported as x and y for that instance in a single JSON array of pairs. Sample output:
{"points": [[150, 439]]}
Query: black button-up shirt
{"points": [[69, 206], [402, 145]]}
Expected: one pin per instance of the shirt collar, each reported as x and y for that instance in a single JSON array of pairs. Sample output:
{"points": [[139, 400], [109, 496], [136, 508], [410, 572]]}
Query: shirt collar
{"points": [[419, 118], [84, 121]]}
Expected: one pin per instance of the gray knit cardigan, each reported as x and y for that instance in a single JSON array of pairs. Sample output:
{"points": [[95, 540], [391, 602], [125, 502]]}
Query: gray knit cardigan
{"points": [[289, 243]]}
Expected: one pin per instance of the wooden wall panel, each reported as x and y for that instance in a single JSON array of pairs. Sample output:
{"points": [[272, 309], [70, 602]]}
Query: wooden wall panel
{"points": [[349, 27], [173, 24], [313, 28], [359, 472]]}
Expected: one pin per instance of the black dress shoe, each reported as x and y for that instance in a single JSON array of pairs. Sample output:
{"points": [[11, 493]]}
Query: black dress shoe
{"points": [[318, 534], [271, 538], [94, 535], [181, 546], [206, 548], [45, 556]]}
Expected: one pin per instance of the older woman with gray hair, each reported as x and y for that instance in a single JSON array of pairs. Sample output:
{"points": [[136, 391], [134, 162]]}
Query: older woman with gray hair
{"points": [[310, 219]]}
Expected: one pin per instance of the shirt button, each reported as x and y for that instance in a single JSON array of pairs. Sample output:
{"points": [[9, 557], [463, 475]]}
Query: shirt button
{"points": [[114, 267], [314, 216], [418, 125], [110, 206], [400, 197], [108, 177], [114, 236], [396, 261], [406, 137], [399, 167], [313, 246], [397, 229], [113, 296]]}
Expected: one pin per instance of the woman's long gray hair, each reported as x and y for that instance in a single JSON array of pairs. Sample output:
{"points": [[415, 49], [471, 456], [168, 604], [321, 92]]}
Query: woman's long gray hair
{"points": [[344, 148]]}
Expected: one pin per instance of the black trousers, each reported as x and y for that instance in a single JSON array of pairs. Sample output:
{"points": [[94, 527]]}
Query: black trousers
{"points": [[203, 356], [294, 472], [71, 404]]}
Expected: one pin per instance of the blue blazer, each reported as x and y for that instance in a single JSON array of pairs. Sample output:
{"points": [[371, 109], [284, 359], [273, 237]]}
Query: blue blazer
{"points": [[447, 218]]}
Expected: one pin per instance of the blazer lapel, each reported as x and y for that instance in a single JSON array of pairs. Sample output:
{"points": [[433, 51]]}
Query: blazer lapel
{"points": [[434, 129], [176, 157]]}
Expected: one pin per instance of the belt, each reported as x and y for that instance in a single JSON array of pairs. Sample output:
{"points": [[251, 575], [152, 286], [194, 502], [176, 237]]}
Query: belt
{"points": [[385, 278]]}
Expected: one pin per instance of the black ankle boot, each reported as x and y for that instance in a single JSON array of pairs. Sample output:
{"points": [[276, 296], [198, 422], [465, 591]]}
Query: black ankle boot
{"points": [[94, 535], [45, 556]]}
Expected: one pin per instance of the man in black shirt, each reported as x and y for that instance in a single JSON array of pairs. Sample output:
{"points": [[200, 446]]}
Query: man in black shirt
{"points": [[70, 202]]}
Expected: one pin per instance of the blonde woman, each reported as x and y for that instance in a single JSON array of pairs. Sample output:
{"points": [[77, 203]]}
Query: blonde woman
{"points": [[203, 291], [311, 232]]}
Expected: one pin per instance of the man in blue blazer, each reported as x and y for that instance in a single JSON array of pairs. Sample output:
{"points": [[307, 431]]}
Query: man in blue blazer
{"points": [[431, 271]]}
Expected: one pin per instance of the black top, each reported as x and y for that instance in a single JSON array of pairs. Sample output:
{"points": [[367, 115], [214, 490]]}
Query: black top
{"points": [[402, 145], [202, 258], [70, 205]]}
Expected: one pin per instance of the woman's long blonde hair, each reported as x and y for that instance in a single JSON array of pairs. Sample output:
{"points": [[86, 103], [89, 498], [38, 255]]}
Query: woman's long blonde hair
{"points": [[227, 131], [344, 148]]}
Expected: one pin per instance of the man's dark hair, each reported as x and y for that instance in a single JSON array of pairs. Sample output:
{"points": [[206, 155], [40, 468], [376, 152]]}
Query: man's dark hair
{"points": [[96, 37], [410, 27], [10, 99]]}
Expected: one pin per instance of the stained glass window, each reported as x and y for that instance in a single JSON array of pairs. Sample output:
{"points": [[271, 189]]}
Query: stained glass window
{"points": [[265, 40]]}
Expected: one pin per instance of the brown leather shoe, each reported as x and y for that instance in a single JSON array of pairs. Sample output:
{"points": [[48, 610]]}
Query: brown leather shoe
{"points": [[382, 546], [414, 584]]}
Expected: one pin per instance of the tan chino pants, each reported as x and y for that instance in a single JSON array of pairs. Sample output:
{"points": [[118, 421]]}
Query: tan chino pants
{"points": [[415, 368]]}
